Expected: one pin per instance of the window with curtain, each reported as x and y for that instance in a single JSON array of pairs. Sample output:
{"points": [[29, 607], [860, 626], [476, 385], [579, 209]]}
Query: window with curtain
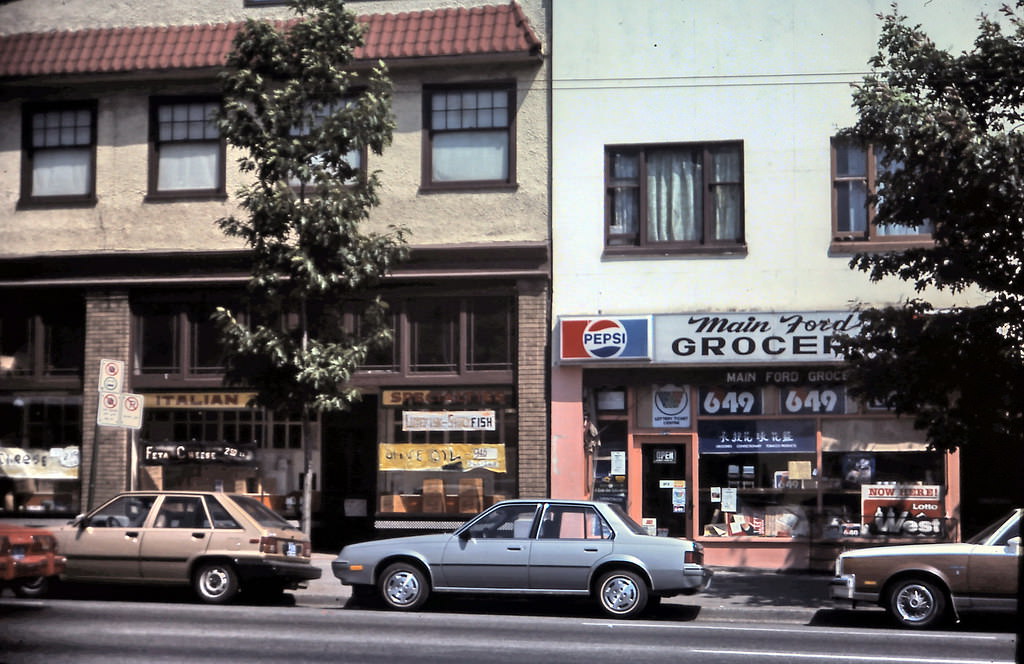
{"points": [[469, 136], [674, 197], [186, 148], [856, 171], [59, 155]]}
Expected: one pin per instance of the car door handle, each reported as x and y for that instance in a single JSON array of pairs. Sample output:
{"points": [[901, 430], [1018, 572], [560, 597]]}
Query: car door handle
{"points": [[199, 535], [515, 548], [590, 549], [132, 534]]}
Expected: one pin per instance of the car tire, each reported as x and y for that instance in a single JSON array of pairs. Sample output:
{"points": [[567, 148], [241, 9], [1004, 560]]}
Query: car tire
{"points": [[622, 594], [917, 603], [404, 586], [31, 588], [216, 583]]}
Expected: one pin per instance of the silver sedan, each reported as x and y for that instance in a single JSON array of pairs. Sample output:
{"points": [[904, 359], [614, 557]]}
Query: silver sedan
{"points": [[541, 547]]}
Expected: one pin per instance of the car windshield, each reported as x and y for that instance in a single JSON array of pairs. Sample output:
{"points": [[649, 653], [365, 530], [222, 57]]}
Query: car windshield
{"points": [[987, 533], [626, 519], [261, 513]]}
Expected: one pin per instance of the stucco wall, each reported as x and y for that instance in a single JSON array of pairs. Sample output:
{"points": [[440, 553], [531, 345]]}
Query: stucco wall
{"points": [[123, 221]]}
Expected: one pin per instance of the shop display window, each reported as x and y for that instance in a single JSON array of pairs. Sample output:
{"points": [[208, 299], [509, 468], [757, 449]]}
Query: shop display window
{"points": [[449, 472], [40, 438]]}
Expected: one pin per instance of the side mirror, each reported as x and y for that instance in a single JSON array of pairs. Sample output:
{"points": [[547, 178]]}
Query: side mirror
{"points": [[79, 521], [1013, 545], [465, 535]]}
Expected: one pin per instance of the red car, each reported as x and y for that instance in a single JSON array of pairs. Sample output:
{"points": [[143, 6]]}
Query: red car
{"points": [[28, 560]]}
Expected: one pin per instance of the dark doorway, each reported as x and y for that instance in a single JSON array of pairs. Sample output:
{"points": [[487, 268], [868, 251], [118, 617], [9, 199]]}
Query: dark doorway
{"points": [[666, 496], [349, 471]]}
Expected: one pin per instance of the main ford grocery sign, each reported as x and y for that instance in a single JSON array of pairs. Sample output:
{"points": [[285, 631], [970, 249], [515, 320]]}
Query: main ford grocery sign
{"points": [[709, 338]]}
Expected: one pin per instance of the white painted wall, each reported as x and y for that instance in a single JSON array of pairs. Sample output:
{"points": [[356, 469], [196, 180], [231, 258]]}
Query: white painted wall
{"points": [[775, 75]]}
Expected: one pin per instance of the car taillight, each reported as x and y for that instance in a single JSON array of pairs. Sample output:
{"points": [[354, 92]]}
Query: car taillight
{"points": [[43, 543], [694, 557], [268, 545]]}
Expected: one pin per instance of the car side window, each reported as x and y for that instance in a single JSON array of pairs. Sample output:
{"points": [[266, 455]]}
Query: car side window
{"points": [[573, 522], [221, 517], [182, 512], [505, 522], [124, 512]]}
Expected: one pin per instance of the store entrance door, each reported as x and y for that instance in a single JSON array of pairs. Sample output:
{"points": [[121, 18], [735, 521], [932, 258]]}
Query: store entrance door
{"points": [[349, 475], [666, 496]]}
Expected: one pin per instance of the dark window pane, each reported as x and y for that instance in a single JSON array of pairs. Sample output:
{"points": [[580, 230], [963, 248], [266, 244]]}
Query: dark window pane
{"points": [[433, 325], [490, 334]]}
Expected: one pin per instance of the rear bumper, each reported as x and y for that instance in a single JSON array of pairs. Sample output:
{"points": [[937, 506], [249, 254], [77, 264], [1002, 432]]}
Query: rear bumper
{"points": [[690, 580], [290, 574]]}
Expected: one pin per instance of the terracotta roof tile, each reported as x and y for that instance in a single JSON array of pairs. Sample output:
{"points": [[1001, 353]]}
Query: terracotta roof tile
{"points": [[487, 30]]}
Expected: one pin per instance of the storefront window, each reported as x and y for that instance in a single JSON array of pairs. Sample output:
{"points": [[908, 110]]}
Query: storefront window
{"points": [[40, 439], [447, 451]]}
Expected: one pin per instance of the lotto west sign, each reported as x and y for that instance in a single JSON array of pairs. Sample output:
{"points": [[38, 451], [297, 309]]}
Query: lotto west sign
{"points": [[605, 338]]}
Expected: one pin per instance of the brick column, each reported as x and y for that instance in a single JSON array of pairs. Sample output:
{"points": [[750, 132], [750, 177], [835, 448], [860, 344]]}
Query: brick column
{"points": [[531, 388], [105, 454]]}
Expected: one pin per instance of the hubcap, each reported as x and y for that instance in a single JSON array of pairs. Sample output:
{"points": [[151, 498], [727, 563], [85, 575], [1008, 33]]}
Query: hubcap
{"points": [[619, 594], [914, 603], [214, 581], [403, 588]]}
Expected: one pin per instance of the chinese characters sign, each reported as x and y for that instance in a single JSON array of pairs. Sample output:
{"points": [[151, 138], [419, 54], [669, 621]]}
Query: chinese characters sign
{"points": [[760, 436]]}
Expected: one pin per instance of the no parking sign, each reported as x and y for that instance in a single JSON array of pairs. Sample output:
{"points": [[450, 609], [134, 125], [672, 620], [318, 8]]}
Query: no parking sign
{"points": [[117, 408]]}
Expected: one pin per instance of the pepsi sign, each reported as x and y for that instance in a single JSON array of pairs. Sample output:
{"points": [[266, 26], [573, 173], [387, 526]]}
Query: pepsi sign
{"points": [[606, 338]]}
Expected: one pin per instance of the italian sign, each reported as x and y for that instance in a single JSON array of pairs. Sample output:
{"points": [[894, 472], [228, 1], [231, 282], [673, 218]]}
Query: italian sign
{"points": [[902, 509], [428, 456], [458, 420], [199, 400], [56, 463]]}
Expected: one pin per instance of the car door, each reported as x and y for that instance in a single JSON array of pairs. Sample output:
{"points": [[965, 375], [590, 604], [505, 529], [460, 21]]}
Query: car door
{"points": [[570, 542], [494, 552], [180, 531], [992, 568], [105, 544]]}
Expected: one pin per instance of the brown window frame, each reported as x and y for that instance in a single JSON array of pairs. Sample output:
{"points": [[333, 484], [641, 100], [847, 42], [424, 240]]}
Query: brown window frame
{"points": [[215, 192], [30, 152], [638, 243], [39, 324], [183, 368], [851, 241], [430, 134]]}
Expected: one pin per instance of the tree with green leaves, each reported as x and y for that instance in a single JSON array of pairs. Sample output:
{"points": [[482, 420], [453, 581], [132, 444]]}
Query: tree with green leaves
{"points": [[301, 116], [948, 127]]}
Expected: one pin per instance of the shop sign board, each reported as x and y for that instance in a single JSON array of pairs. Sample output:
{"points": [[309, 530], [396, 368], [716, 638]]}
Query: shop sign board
{"points": [[199, 400], [439, 456], [751, 337], [670, 406], [56, 463], [600, 338], [757, 436], [455, 420], [908, 510], [447, 397], [166, 454]]}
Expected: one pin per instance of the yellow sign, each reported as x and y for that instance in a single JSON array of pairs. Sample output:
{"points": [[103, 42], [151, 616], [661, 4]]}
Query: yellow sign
{"points": [[436, 456], [198, 400]]}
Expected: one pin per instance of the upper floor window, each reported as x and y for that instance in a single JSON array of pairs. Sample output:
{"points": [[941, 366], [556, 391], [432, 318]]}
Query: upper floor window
{"points": [[855, 177], [59, 155], [669, 198], [354, 158], [469, 136], [175, 339], [186, 149], [42, 338]]}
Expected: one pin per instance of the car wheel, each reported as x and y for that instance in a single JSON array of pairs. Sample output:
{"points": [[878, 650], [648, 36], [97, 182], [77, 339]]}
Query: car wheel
{"points": [[36, 587], [622, 594], [216, 583], [917, 603], [404, 586]]}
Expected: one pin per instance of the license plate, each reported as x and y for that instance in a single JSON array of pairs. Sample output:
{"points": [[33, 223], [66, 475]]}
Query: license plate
{"points": [[291, 548]]}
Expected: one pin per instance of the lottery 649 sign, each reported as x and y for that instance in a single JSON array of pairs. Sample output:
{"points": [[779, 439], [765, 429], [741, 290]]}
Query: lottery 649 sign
{"points": [[120, 409]]}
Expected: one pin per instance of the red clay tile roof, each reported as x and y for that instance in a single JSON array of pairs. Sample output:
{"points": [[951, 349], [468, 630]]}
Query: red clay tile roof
{"points": [[487, 30]]}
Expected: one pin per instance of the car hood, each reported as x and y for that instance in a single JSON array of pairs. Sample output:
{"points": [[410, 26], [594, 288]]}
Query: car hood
{"points": [[943, 549], [415, 542]]}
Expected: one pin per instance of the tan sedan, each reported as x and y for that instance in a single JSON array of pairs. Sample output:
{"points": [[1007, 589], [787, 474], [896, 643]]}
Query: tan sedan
{"points": [[922, 585], [220, 544]]}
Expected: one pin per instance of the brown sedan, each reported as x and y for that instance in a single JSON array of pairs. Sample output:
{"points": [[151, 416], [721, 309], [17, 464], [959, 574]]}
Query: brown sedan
{"points": [[921, 585]]}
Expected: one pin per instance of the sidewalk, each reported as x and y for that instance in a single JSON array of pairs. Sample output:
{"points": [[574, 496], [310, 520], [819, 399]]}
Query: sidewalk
{"points": [[733, 595]]}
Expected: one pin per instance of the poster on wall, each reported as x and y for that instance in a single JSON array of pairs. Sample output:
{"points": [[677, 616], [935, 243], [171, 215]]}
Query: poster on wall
{"points": [[905, 510], [670, 406], [431, 456]]}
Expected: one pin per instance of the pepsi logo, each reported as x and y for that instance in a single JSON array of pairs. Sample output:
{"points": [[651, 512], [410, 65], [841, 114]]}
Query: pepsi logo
{"points": [[605, 338]]}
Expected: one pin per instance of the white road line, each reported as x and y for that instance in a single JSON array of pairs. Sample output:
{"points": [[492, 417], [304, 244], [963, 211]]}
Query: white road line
{"points": [[851, 658], [930, 636]]}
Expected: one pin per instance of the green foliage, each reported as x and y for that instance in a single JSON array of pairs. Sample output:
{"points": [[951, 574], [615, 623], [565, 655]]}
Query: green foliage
{"points": [[950, 125], [296, 111]]}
